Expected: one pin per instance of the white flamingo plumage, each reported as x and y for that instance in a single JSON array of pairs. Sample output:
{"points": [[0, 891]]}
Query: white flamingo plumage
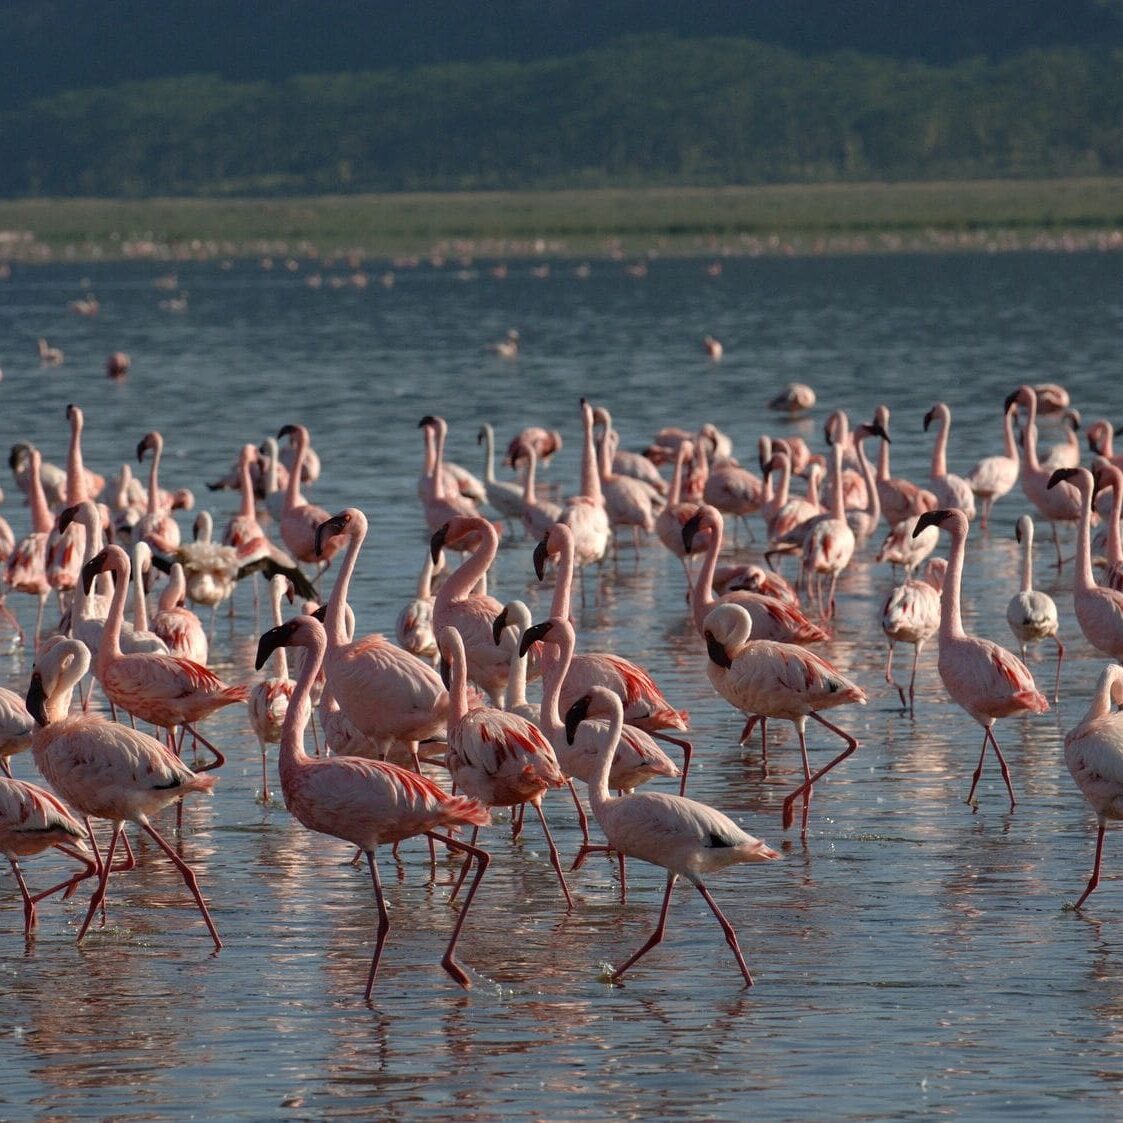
{"points": [[994, 476], [911, 614], [1032, 614]]}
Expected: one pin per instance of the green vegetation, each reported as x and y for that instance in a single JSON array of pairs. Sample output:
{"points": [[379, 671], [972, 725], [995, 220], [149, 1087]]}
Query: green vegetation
{"points": [[808, 218], [637, 112]]}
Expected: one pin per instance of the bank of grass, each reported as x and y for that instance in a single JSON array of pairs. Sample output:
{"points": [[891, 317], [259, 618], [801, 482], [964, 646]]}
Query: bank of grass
{"points": [[808, 218]]}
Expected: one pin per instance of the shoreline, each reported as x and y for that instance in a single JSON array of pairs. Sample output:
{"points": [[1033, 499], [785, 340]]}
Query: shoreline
{"points": [[1071, 215]]}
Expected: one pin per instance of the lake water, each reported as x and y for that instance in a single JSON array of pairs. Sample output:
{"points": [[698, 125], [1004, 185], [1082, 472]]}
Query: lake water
{"points": [[912, 956]]}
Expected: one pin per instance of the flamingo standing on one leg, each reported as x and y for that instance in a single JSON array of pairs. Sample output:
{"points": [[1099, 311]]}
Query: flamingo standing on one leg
{"points": [[984, 679], [1032, 614], [104, 769], [1094, 755], [911, 614], [687, 838], [365, 802], [269, 699]]}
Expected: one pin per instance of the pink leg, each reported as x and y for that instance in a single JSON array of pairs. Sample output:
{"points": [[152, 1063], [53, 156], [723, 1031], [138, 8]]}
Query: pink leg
{"points": [[555, 861], [517, 816], [978, 770], [807, 785], [1095, 879], [383, 925], [219, 759], [582, 818], [464, 870], [687, 753], [71, 884], [912, 681], [656, 936], [103, 881], [623, 877], [30, 919], [730, 935], [482, 857], [1003, 767], [1060, 657], [189, 879], [264, 773]]}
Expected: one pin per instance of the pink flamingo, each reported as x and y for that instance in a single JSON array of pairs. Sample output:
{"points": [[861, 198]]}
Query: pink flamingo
{"points": [[734, 491], [538, 515], [777, 680], [900, 499], [753, 578], [863, 519], [165, 690], [1032, 614], [299, 518], [156, 527], [26, 569], [628, 501], [950, 490], [388, 694], [1100, 435], [439, 495], [677, 513], [1106, 472], [177, 625], [1059, 503], [365, 802], [269, 699], [911, 614], [31, 821], [783, 513], [1052, 398], [688, 839], [243, 532], [829, 543], [584, 513], [994, 476], [795, 397], [984, 679], [1066, 454], [209, 568], [106, 770], [634, 464], [497, 758], [16, 727], [1094, 755], [1099, 610], [64, 552], [544, 442], [505, 497], [414, 627], [902, 547], [772, 619]]}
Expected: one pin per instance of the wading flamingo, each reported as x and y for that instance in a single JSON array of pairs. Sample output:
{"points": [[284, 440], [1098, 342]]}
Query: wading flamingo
{"points": [[269, 699], [911, 614], [1032, 614]]}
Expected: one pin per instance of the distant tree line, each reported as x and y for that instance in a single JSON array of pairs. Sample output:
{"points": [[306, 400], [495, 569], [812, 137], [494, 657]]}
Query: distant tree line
{"points": [[638, 111]]}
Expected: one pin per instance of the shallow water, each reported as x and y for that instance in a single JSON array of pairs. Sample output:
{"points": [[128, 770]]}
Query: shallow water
{"points": [[912, 956]]}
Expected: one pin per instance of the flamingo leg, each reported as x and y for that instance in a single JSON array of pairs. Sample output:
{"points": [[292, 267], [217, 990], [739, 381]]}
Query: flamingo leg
{"points": [[71, 884], [727, 928], [555, 860], [482, 857], [383, 924], [582, 818], [978, 771], [656, 936], [432, 849], [889, 675], [264, 774], [464, 869], [912, 680], [687, 754], [517, 816], [807, 785], [103, 881], [1057, 543], [623, 877], [189, 878], [1095, 878], [30, 918], [1060, 658], [219, 759], [1002, 765]]}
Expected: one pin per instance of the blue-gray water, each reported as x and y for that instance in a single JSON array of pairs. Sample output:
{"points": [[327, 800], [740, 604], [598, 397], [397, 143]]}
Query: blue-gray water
{"points": [[912, 957]]}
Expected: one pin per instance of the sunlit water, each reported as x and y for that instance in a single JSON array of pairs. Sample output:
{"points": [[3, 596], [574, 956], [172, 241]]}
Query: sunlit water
{"points": [[912, 956]]}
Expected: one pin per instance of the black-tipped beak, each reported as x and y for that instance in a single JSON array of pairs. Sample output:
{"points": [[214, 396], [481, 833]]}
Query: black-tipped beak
{"points": [[878, 430], [929, 518], [428, 419], [329, 529], [91, 569], [141, 448], [928, 419], [445, 669], [271, 640], [497, 626], [65, 518], [481, 436], [716, 651], [286, 431], [437, 543], [15, 456], [321, 614], [827, 435], [1018, 531], [532, 635], [1011, 400], [1060, 475], [690, 529], [541, 553], [574, 716], [36, 700]]}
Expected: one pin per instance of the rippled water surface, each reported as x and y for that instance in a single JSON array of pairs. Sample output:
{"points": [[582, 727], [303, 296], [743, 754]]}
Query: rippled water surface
{"points": [[912, 956]]}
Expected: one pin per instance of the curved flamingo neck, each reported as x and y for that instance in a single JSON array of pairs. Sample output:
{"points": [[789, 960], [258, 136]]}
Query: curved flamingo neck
{"points": [[530, 472], [41, 519], [702, 599], [1029, 447], [439, 465], [293, 498], [599, 793], [1010, 446], [153, 476], [590, 478], [675, 495], [873, 500], [813, 489], [87, 518], [515, 692], [838, 503], [175, 590], [140, 603], [606, 447], [780, 497], [940, 448], [458, 682], [1114, 541], [489, 455], [461, 583], [563, 580], [425, 579], [336, 622], [247, 510], [291, 749], [75, 470], [1027, 558], [271, 471], [1084, 580], [110, 648], [554, 671], [281, 660], [951, 618], [883, 461]]}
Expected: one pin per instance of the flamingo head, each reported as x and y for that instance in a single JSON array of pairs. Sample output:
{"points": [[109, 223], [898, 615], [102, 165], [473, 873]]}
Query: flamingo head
{"points": [[280, 636], [337, 524], [931, 518], [148, 441], [541, 555], [534, 634], [67, 516], [1022, 529], [1061, 475], [112, 557], [703, 517], [36, 700], [20, 452], [875, 428], [574, 716]]}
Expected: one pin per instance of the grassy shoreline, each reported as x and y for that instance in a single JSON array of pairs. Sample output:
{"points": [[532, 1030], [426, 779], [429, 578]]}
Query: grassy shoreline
{"points": [[786, 219]]}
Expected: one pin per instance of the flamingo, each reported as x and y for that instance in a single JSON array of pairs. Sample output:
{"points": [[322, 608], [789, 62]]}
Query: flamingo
{"points": [[863, 520], [950, 490], [900, 499], [414, 627], [269, 699], [1094, 755], [156, 527], [1113, 572], [310, 463], [516, 619], [994, 476], [1052, 398], [497, 758], [634, 464], [794, 398], [143, 638], [274, 486], [506, 498], [26, 568], [210, 569], [544, 442], [688, 839], [48, 355], [33, 820], [386, 693], [753, 578], [627, 501], [365, 802], [1057, 503], [163, 689], [1099, 610], [508, 346], [667, 441], [1100, 435], [179, 627], [585, 513], [733, 490], [16, 727], [64, 552], [772, 619], [117, 365], [104, 769], [1067, 453], [538, 515], [777, 680], [1032, 614], [903, 547], [438, 490], [713, 349], [984, 679], [299, 518], [677, 513], [782, 514], [53, 477], [911, 614], [829, 542]]}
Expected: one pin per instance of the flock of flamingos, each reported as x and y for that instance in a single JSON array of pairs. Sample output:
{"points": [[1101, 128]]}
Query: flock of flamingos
{"points": [[448, 699]]}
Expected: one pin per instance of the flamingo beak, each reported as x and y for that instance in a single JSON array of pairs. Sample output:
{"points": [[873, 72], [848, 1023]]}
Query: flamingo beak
{"points": [[878, 430], [91, 569], [271, 640], [716, 651], [66, 517], [1011, 400], [1060, 475], [428, 419], [286, 431], [574, 716], [36, 700], [337, 524], [497, 626], [437, 543], [929, 518], [532, 635], [446, 673], [690, 529], [928, 419], [541, 553], [321, 614]]}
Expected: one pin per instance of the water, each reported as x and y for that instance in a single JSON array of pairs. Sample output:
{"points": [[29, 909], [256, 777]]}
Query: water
{"points": [[912, 957]]}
